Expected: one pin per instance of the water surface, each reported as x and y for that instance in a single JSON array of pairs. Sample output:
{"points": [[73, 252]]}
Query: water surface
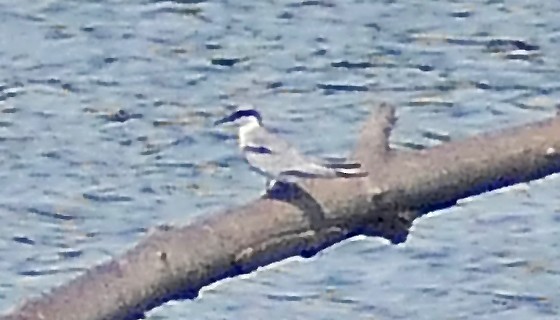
{"points": [[105, 131]]}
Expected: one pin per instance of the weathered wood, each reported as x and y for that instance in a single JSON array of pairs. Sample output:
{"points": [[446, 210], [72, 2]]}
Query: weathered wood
{"points": [[175, 262]]}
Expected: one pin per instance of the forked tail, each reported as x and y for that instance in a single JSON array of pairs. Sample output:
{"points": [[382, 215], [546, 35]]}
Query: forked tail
{"points": [[340, 165], [342, 173]]}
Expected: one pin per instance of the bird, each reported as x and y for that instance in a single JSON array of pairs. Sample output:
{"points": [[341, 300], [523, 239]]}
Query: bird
{"points": [[276, 159]]}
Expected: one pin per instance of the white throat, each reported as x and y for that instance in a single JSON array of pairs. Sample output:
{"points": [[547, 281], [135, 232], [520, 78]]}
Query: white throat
{"points": [[250, 124]]}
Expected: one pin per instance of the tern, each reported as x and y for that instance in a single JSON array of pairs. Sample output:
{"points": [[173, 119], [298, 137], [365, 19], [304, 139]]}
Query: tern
{"points": [[276, 159]]}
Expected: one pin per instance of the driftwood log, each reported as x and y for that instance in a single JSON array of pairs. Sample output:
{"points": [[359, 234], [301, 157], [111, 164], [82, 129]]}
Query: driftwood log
{"points": [[175, 262]]}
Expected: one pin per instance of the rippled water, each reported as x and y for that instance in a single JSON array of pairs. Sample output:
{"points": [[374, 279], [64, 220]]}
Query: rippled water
{"points": [[105, 130]]}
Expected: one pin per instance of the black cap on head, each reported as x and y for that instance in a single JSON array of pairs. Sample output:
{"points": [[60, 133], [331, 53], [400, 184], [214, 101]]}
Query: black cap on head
{"points": [[240, 114]]}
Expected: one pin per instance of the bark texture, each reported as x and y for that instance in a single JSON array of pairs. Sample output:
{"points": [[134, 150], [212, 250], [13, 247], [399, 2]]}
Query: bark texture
{"points": [[175, 262]]}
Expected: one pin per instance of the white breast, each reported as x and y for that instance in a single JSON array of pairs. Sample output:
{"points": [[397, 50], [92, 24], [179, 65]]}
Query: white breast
{"points": [[245, 131]]}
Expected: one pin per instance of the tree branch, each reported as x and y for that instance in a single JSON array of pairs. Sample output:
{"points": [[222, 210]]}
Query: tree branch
{"points": [[373, 143], [175, 262]]}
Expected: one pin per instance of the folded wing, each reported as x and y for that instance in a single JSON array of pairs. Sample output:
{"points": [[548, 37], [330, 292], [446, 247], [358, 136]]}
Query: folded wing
{"points": [[278, 159]]}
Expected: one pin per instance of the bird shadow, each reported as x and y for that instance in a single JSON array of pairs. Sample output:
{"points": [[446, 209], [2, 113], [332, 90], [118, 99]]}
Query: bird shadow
{"points": [[393, 228], [294, 194]]}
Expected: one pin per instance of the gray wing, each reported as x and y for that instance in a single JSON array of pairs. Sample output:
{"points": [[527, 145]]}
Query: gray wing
{"points": [[276, 158]]}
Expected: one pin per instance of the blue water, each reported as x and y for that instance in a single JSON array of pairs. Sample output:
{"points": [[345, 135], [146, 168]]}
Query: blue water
{"points": [[105, 131]]}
